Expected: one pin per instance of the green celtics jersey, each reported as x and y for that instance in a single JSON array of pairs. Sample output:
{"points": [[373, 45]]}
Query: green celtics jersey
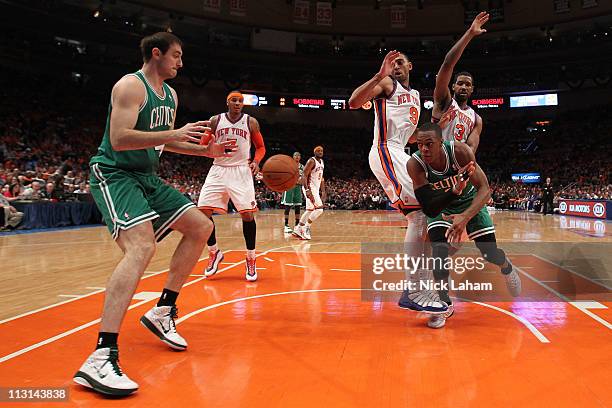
{"points": [[156, 114], [442, 181]]}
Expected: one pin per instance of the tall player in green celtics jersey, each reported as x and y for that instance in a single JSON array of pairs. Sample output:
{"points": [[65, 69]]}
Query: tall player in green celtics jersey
{"points": [[453, 190], [139, 208]]}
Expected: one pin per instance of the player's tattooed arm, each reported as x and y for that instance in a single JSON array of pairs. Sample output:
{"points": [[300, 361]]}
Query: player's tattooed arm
{"points": [[473, 139], [380, 85]]}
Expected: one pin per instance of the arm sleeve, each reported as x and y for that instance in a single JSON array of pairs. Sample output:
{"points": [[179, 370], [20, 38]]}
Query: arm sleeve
{"points": [[260, 148], [432, 204]]}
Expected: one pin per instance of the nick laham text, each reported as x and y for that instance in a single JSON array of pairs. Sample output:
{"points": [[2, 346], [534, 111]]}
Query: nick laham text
{"points": [[432, 285]]}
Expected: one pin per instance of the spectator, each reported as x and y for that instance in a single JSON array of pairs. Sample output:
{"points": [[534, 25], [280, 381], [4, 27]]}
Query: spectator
{"points": [[11, 217]]}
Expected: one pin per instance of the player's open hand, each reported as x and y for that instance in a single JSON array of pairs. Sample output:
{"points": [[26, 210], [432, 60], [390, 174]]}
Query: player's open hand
{"points": [[193, 132], [463, 177], [455, 232], [480, 20], [387, 66], [220, 149], [254, 165]]}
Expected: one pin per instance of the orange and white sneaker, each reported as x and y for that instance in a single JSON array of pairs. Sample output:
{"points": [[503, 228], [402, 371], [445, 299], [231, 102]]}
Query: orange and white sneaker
{"points": [[214, 258], [251, 270]]}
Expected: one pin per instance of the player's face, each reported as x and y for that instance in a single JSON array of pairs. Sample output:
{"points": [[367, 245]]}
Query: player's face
{"points": [[463, 88], [297, 158], [429, 145], [318, 153], [401, 68], [170, 62], [235, 104]]}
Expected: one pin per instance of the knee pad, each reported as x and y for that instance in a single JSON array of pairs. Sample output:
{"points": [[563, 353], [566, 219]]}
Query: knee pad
{"points": [[316, 214], [490, 251]]}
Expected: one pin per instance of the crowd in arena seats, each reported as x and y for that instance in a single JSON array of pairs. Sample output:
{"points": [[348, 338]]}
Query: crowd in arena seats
{"points": [[48, 136]]}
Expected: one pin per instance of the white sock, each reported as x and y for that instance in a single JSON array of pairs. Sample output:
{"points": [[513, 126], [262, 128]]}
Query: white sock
{"points": [[213, 248], [250, 254]]}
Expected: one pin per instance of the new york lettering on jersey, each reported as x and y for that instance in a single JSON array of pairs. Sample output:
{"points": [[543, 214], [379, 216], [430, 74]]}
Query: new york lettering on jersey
{"points": [[461, 123], [239, 133], [396, 117]]}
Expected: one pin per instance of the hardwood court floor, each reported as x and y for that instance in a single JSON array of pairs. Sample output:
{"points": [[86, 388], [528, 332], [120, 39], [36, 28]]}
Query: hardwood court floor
{"points": [[302, 335]]}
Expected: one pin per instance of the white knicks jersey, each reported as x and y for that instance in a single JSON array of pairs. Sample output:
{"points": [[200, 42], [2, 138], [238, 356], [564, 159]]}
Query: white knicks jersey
{"points": [[461, 124], [316, 175], [238, 131], [396, 117]]}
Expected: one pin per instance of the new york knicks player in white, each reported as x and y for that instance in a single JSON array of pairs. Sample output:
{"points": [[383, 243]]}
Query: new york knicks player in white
{"points": [[232, 178], [397, 108], [314, 190], [464, 125]]}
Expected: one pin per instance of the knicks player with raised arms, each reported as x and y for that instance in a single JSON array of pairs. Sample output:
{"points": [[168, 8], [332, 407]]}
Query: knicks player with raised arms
{"points": [[397, 108], [139, 208], [464, 125], [232, 178], [313, 186]]}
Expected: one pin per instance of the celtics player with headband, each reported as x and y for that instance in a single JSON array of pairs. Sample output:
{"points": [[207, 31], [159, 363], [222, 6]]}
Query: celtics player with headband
{"points": [[453, 191]]}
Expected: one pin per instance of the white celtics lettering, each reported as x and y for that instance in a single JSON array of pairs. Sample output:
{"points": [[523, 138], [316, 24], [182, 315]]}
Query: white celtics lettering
{"points": [[161, 116]]}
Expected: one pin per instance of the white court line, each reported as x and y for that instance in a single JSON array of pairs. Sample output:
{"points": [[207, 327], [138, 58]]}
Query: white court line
{"points": [[345, 270], [578, 305], [572, 271], [81, 297], [197, 275], [521, 319], [268, 259], [297, 266], [86, 325], [94, 287]]}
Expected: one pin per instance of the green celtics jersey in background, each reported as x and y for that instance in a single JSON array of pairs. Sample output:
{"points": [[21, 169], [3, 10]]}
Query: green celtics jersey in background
{"points": [[442, 181], [156, 114]]}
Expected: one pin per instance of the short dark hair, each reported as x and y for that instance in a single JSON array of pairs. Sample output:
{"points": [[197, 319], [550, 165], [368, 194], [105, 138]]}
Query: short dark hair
{"points": [[431, 127], [463, 73], [405, 55], [162, 40]]}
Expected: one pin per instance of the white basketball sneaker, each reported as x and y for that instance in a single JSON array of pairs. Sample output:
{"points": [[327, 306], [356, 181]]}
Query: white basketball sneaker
{"points": [[214, 258], [513, 282], [288, 229], [160, 320], [437, 321], [307, 233], [102, 373], [299, 231]]}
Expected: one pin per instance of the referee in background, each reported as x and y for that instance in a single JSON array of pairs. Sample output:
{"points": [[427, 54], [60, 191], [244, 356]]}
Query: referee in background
{"points": [[547, 197]]}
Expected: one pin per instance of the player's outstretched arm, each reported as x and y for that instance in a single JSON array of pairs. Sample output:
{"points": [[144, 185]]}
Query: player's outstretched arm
{"points": [[442, 96], [378, 85]]}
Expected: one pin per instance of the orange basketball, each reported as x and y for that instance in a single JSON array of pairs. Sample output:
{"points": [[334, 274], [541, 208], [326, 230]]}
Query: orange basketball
{"points": [[280, 173]]}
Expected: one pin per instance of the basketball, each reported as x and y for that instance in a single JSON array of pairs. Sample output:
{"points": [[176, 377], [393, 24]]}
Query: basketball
{"points": [[280, 173]]}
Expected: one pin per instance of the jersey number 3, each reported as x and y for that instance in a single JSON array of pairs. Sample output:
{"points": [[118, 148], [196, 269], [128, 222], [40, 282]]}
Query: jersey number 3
{"points": [[459, 132]]}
